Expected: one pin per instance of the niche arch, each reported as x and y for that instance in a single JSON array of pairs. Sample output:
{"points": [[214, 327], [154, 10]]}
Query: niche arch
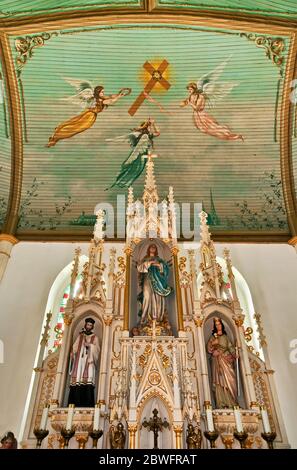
{"points": [[149, 402], [164, 252], [223, 313], [245, 299]]}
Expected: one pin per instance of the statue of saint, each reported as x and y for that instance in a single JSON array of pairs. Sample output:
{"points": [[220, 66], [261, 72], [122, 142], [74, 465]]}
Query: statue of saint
{"points": [[83, 361], [117, 437], [223, 355], [154, 272], [194, 438], [8, 441]]}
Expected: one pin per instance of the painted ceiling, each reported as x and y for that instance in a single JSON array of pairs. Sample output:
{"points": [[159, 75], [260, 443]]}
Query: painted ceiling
{"points": [[246, 186]]}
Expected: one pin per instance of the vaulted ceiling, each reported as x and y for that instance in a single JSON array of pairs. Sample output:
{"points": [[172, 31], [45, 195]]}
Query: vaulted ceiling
{"points": [[248, 187]]}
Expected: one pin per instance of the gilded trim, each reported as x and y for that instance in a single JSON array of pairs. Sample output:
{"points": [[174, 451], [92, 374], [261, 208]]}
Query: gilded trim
{"points": [[15, 118], [6, 237], [61, 21], [230, 237], [127, 290], [180, 320], [286, 129], [293, 241]]}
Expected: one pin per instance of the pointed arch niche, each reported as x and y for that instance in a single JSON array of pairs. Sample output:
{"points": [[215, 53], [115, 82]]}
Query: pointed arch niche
{"points": [[245, 299], [145, 437], [55, 304]]}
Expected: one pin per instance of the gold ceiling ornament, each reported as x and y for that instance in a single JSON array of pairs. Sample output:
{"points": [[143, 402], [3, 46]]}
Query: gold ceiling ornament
{"points": [[274, 48], [25, 46]]}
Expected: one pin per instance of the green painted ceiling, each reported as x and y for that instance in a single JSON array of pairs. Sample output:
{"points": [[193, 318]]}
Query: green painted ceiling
{"points": [[284, 8], [239, 183], [17, 8]]}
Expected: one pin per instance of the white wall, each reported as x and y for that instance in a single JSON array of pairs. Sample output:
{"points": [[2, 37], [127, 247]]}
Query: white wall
{"points": [[270, 270]]}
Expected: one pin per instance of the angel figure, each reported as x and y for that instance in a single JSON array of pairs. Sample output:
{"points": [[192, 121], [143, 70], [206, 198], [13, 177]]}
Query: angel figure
{"points": [[204, 94], [95, 102], [141, 143]]}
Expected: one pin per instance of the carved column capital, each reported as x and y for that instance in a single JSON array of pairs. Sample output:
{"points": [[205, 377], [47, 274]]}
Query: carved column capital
{"points": [[68, 317], [6, 237], [198, 321], [292, 242], [238, 320], [107, 319]]}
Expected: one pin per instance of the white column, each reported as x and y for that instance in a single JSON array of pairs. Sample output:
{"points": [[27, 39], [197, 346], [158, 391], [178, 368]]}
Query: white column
{"points": [[104, 365], [6, 244], [249, 390], [203, 362]]}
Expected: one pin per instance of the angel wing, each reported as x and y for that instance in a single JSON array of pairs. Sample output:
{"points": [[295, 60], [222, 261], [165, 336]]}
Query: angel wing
{"points": [[131, 138], [139, 147], [212, 89], [84, 92]]}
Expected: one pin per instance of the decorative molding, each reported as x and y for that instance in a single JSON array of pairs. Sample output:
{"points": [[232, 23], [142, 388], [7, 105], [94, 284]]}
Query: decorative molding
{"points": [[273, 46], [286, 131], [15, 119]]}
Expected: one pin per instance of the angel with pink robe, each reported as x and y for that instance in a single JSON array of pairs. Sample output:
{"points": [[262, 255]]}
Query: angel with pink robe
{"points": [[204, 94]]}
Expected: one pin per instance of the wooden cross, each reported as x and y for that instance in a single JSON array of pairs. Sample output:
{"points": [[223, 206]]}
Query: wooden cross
{"points": [[156, 77]]}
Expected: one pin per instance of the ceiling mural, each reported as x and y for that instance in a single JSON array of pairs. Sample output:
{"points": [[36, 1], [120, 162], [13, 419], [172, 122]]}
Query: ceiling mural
{"points": [[96, 98]]}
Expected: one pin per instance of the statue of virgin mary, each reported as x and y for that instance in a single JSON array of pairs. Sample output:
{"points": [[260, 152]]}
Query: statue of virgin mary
{"points": [[154, 272]]}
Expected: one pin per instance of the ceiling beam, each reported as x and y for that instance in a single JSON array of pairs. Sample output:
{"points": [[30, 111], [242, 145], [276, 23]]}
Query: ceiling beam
{"points": [[149, 6], [220, 236], [14, 109]]}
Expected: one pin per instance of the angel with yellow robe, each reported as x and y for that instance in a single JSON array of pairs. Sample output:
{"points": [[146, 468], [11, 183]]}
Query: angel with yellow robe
{"points": [[96, 102]]}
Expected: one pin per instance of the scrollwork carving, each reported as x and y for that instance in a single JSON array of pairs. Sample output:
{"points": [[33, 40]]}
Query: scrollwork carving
{"points": [[274, 48], [25, 46]]}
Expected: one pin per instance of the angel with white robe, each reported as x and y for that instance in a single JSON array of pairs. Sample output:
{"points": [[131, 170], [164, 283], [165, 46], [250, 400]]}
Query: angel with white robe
{"points": [[94, 100], [204, 94], [141, 143]]}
